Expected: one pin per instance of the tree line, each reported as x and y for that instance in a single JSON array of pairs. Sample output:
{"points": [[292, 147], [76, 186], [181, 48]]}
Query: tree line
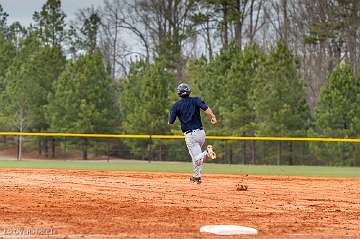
{"points": [[267, 68]]}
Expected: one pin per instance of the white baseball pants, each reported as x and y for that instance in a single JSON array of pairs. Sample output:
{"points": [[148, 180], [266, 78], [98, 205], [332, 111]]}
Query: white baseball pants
{"points": [[194, 141]]}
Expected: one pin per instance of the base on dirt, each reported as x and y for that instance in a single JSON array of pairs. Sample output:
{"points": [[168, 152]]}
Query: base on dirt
{"points": [[228, 230]]}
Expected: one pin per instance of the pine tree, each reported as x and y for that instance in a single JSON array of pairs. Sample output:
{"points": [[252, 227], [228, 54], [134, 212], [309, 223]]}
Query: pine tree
{"points": [[7, 55], [196, 74], [337, 115], [90, 31], [83, 34], [37, 74], [7, 49], [17, 94], [3, 20], [50, 23], [210, 78], [16, 34], [43, 69], [17, 88], [237, 110], [226, 83], [145, 101], [84, 99], [334, 110], [279, 98]]}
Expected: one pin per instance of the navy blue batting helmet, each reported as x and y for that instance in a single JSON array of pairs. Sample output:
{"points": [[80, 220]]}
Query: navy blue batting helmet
{"points": [[183, 90]]}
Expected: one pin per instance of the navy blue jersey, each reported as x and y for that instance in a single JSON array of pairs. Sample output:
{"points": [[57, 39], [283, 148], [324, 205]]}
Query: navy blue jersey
{"points": [[188, 111]]}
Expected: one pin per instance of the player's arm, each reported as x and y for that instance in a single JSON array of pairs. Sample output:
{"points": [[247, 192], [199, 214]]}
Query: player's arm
{"points": [[211, 115], [207, 110], [172, 115]]}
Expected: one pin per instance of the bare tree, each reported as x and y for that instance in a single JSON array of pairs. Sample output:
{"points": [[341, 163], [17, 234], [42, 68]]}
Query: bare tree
{"points": [[167, 23], [121, 32], [323, 33], [204, 22]]}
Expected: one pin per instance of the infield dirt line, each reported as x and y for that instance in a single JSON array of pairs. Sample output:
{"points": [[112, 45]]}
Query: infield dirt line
{"points": [[107, 204]]}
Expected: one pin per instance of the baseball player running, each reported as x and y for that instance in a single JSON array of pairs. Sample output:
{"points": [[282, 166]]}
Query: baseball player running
{"points": [[187, 109]]}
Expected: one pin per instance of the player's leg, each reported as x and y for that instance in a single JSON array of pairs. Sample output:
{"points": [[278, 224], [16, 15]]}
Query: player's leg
{"points": [[209, 153], [199, 137], [200, 157], [196, 155]]}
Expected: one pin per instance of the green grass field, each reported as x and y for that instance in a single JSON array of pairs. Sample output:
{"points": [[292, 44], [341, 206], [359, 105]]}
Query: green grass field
{"points": [[346, 172]]}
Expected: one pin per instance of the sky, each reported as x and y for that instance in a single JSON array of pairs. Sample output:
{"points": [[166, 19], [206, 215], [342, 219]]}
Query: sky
{"points": [[22, 10]]}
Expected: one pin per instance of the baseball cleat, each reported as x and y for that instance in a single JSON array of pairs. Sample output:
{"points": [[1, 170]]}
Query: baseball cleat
{"points": [[195, 179], [210, 152]]}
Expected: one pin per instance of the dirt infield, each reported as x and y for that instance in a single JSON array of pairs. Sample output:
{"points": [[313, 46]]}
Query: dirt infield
{"points": [[96, 204]]}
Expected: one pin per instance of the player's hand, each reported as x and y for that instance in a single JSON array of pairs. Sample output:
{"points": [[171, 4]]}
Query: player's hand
{"points": [[213, 120]]}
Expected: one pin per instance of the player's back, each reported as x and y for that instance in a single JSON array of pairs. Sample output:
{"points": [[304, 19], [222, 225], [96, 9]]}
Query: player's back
{"points": [[188, 112], [187, 109]]}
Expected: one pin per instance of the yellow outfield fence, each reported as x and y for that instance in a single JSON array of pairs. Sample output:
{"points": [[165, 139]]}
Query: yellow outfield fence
{"points": [[230, 149], [148, 136]]}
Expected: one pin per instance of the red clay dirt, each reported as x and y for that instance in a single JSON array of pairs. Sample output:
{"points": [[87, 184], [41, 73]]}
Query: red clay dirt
{"points": [[101, 204]]}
